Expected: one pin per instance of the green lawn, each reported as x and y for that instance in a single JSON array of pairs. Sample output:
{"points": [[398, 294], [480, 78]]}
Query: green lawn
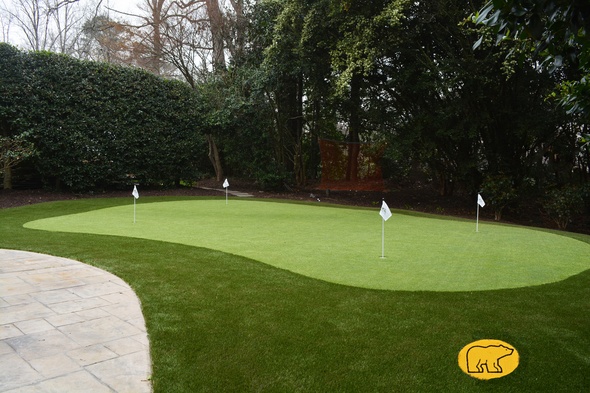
{"points": [[223, 322], [343, 245]]}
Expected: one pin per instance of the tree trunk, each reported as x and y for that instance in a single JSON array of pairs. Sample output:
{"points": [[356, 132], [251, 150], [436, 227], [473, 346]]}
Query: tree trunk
{"points": [[289, 126], [498, 214], [7, 184], [214, 157], [217, 34], [157, 50], [298, 159], [354, 125], [240, 24]]}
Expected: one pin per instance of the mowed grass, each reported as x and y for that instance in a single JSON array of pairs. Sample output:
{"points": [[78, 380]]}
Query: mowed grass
{"points": [[223, 322], [343, 245]]}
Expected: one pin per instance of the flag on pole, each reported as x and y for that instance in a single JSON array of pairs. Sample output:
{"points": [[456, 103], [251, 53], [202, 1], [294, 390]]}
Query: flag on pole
{"points": [[480, 201], [226, 186], [135, 194], [385, 212]]}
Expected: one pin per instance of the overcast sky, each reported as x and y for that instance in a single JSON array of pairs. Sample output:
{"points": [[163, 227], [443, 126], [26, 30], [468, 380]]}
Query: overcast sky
{"points": [[15, 34], [129, 6]]}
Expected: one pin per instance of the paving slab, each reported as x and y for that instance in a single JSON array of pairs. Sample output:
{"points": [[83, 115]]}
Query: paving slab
{"points": [[69, 327]]}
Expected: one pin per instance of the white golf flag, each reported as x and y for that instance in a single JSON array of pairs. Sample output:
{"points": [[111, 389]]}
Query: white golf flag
{"points": [[480, 201], [385, 212], [225, 184], [135, 193]]}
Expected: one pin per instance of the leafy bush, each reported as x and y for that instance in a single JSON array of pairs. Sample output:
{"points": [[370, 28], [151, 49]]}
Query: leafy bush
{"points": [[499, 191], [562, 204], [13, 150], [272, 179]]}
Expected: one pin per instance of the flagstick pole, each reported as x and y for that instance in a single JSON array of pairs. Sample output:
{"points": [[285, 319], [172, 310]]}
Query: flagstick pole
{"points": [[134, 202], [382, 238], [477, 219], [226, 195]]}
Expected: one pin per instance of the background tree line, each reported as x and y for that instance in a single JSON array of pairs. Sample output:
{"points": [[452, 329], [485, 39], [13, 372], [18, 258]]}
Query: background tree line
{"points": [[276, 75]]}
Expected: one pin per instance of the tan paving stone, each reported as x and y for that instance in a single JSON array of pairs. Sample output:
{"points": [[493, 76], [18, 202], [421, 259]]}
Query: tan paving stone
{"points": [[23, 266], [34, 326], [99, 330], [95, 279], [17, 289], [125, 373], [10, 279], [77, 305], [98, 289], [55, 296], [55, 366], [92, 354], [68, 327], [64, 319], [23, 312], [40, 345], [8, 331], [124, 311], [127, 345], [119, 297], [53, 280], [79, 382], [5, 348], [93, 313], [16, 372], [14, 300], [142, 338]]}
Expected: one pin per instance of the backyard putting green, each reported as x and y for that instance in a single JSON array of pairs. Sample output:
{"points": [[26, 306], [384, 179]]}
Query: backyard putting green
{"points": [[343, 245]]}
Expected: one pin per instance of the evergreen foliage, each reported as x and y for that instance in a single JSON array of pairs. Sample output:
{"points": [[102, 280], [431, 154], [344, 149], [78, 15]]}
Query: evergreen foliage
{"points": [[398, 73], [97, 125]]}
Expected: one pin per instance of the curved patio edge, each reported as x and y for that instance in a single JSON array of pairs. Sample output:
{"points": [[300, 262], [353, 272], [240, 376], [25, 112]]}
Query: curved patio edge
{"points": [[68, 326]]}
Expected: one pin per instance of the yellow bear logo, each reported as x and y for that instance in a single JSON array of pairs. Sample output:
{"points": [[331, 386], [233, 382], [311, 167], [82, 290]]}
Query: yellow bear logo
{"points": [[487, 359], [480, 359]]}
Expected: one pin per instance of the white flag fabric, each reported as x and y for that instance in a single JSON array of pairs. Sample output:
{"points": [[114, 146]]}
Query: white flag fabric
{"points": [[480, 201], [225, 184], [135, 193], [385, 212]]}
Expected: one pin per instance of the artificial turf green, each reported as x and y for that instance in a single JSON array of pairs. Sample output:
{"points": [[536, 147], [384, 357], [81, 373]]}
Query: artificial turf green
{"points": [[221, 322], [343, 245]]}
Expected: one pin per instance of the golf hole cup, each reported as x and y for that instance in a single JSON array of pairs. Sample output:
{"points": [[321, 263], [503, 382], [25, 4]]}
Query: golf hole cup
{"points": [[488, 359]]}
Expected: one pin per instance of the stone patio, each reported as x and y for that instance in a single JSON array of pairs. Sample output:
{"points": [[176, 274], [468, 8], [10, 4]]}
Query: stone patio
{"points": [[68, 327]]}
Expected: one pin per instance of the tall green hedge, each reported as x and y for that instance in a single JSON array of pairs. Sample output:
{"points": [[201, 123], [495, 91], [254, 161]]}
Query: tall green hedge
{"points": [[97, 125]]}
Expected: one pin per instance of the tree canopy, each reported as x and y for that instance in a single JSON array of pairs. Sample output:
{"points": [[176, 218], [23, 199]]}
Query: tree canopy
{"points": [[267, 79], [557, 31]]}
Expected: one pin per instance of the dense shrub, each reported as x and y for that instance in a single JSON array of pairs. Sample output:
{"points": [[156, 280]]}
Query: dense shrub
{"points": [[563, 204], [99, 125], [499, 191]]}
